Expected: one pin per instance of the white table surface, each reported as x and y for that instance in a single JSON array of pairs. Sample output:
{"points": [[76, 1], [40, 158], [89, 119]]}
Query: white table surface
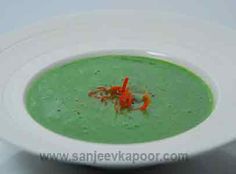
{"points": [[15, 14]]}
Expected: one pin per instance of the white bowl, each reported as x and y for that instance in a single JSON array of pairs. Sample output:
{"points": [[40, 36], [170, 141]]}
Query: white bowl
{"points": [[205, 48]]}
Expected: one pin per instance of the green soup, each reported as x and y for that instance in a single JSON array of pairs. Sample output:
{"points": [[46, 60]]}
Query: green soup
{"points": [[58, 99]]}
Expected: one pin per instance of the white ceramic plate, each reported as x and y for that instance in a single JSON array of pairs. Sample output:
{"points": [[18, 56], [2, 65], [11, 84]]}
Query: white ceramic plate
{"points": [[207, 49]]}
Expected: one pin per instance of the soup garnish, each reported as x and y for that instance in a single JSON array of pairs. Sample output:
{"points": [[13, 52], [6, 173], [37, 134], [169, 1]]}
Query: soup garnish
{"points": [[121, 96]]}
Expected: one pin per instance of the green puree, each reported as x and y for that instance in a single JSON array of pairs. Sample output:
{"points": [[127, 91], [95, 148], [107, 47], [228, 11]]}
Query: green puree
{"points": [[58, 99]]}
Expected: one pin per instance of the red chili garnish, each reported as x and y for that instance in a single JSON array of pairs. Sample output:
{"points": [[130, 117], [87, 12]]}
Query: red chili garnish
{"points": [[121, 96], [125, 83]]}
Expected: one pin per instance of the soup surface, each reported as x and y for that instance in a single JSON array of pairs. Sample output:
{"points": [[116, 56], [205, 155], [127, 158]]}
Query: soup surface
{"points": [[58, 99]]}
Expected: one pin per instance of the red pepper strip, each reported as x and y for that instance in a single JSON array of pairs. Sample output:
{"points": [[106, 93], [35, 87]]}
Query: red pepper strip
{"points": [[122, 100], [146, 102], [131, 100], [125, 83], [126, 99]]}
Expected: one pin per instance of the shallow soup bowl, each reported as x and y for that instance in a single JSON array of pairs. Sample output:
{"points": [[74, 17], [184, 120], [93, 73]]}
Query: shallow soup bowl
{"points": [[196, 46]]}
